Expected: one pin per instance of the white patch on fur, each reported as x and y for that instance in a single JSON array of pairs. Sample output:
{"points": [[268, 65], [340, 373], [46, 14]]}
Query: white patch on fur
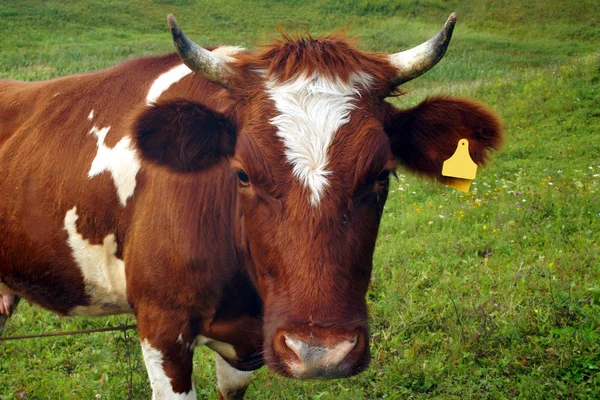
{"points": [[177, 73], [229, 379], [165, 81], [103, 272], [160, 382], [91, 116], [225, 349], [121, 161], [222, 348], [311, 110]]}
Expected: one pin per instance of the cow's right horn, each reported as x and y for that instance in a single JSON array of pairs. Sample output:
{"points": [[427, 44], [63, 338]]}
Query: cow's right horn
{"points": [[206, 63]]}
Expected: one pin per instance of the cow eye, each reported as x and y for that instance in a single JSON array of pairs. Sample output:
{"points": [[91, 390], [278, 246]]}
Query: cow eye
{"points": [[243, 177]]}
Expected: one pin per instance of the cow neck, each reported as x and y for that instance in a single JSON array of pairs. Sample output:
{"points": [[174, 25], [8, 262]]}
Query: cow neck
{"points": [[237, 319]]}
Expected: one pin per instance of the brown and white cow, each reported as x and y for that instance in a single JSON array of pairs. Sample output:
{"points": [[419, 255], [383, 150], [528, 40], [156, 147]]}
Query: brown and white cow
{"points": [[231, 200]]}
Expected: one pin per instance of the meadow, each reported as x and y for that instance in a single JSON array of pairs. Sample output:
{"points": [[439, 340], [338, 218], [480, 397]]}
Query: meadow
{"points": [[493, 294]]}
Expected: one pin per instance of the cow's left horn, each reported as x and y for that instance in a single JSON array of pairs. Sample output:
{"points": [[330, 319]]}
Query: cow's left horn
{"points": [[206, 63], [414, 62]]}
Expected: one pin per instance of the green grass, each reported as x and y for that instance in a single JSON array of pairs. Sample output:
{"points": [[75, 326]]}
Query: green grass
{"points": [[492, 294]]}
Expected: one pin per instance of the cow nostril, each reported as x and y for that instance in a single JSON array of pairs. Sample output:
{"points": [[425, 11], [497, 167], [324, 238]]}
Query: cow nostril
{"points": [[299, 347], [318, 355]]}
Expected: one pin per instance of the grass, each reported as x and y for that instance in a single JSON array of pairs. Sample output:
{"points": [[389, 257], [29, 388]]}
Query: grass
{"points": [[492, 294]]}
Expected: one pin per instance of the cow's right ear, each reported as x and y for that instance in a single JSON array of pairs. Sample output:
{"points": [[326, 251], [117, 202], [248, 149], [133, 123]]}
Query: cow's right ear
{"points": [[184, 136]]}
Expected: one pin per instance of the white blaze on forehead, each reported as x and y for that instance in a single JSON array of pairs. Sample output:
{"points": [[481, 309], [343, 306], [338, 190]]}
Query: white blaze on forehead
{"points": [[160, 382], [311, 110], [165, 81], [103, 272], [121, 161], [91, 116]]}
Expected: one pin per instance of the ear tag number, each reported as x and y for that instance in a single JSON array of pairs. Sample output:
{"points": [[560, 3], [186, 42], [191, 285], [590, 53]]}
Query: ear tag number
{"points": [[460, 168]]}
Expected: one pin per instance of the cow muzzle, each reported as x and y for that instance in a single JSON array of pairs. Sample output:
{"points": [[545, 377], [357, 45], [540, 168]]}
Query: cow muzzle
{"points": [[321, 354]]}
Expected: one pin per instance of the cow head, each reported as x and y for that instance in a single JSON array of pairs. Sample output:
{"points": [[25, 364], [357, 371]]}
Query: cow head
{"points": [[312, 142]]}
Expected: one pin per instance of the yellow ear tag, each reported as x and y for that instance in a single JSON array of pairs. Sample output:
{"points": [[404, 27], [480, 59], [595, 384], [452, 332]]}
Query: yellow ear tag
{"points": [[460, 167]]}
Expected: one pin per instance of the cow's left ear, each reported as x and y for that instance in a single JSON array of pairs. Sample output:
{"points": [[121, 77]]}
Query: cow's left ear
{"points": [[184, 136], [423, 137]]}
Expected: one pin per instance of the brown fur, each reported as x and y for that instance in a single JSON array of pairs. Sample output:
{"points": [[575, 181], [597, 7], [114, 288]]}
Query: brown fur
{"points": [[206, 254]]}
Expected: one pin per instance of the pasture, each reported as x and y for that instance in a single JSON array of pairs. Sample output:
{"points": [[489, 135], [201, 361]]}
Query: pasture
{"points": [[491, 294]]}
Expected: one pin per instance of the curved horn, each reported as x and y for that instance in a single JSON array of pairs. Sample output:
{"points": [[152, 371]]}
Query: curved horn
{"points": [[206, 63], [418, 60]]}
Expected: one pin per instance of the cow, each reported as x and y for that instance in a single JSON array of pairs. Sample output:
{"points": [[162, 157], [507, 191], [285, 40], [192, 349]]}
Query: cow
{"points": [[225, 197]]}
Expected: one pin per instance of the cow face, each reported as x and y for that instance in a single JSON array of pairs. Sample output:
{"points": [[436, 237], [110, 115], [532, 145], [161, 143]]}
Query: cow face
{"points": [[310, 212], [315, 144]]}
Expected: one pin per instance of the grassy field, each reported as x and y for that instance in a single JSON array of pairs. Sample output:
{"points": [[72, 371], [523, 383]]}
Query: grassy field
{"points": [[492, 294]]}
